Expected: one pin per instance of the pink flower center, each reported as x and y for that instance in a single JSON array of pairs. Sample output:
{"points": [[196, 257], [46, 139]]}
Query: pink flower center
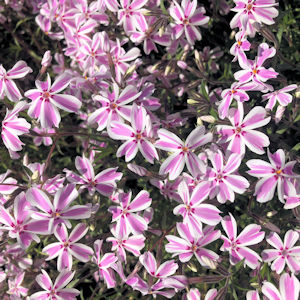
{"points": [[254, 71], [185, 149], [219, 176], [249, 6], [278, 172], [66, 244], [113, 105], [194, 248], [185, 21]]}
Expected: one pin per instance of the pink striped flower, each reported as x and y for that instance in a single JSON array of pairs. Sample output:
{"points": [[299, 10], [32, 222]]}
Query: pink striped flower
{"points": [[128, 12], [136, 136], [15, 289], [168, 188], [114, 106], [274, 174], [105, 264], [186, 17], [46, 100], [166, 269], [238, 245], [104, 182], [225, 181], [281, 96], [284, 252], [252, 295], [58, 211], [183, 152], [123, 242], [239, 47], [21, 226], [241, 133], [236, 92], [7, 85], [13, 126], [194, 294], [192, 243], [145, 33], [7, 189], [126, 213], [56, 291], [43, 138], [251, 11], [253, 69], [67, 247], [193, 211], [289, 288]]}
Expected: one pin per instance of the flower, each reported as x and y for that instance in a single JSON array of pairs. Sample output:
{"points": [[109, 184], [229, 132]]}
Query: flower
{"points": [[114, 106], [21, 226], [289, 288], [224, 178], [125, 215], [15, 288], [44, 136], [12, 127], [186, 17], [280, 95], [7, 85], [284, 252], [237, 92], [166, 269], [46, 100], [7, 189], [237, 245], [241, 133], [136, 136], [238, 48], [251, 11], [67, 247], [104, 182], [121, 242], [191, 242], [145, 33], [59, 211], [274, 174], [182, 151], [55, 291], [193, 211], [253, 69], [105, 263]]}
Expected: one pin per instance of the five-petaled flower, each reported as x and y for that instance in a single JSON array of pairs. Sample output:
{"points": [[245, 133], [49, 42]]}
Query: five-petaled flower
{"points": [[274, 174], [241, 133], [238, 245], [284, 252], [56, 290], [46, 100], [67, 247], [182, 151]]}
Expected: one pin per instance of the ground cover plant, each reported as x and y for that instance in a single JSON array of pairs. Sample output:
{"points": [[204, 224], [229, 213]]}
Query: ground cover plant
{"points": [[149, 149]]}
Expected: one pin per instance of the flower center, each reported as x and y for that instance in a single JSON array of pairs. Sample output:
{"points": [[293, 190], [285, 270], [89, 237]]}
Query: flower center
{"points": [[194, 248], [138, 136], [185, 149], [249, 6], [278, 171], [219, 176], [55, 214], [66, 244], [46, 95], [239, 43], [254, 71], [238, 130], [233, 91], [185, 21], [113, 105], [188, 207]]}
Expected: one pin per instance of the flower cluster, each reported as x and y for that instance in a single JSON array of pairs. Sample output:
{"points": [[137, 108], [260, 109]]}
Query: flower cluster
{"points": [[105, 101]]}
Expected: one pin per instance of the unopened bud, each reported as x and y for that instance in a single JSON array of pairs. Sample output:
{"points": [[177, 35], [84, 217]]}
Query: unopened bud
{"points": [[199, 122], [192, 101], [35, 176], [208, 119]]}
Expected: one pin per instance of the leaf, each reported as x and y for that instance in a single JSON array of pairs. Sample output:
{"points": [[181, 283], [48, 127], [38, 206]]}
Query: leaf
{"points": [[239, 265], [296, 147], [204, 91], [281, 131], [206, 279]]}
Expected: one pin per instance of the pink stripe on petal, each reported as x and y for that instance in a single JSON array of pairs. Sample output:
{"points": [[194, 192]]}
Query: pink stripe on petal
{"points": [[68, 103]]}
